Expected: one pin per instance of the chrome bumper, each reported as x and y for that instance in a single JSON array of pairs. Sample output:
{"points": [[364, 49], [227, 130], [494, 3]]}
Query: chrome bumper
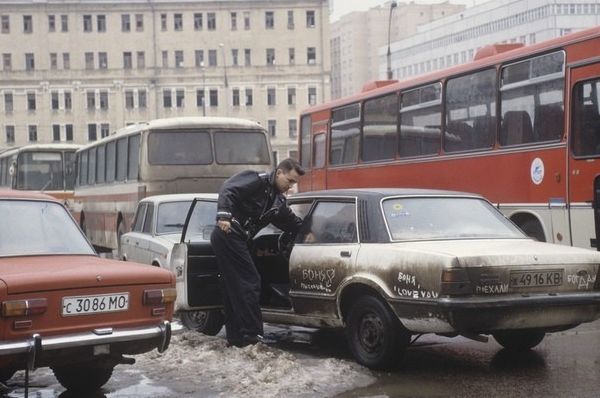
{"points": [[98, 336]]}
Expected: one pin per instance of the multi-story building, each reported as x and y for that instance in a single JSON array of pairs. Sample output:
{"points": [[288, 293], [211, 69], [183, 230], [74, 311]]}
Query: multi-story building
{"points": [[358, 37], [455, 39], [77, 70]]}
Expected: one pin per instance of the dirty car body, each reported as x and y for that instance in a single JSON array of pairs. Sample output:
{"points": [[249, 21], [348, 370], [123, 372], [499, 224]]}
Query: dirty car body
{"points": [[65, 308], [386, 264]]}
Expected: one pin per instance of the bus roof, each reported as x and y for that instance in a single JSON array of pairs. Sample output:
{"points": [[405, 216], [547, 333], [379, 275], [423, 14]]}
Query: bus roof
{"points": [[482, 62], [40, 147]]}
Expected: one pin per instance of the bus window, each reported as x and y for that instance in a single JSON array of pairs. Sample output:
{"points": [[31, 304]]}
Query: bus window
{"points": [[471, 111], [91, 166], [101, 164], [179, 148], [228, 144], [134, 157], [111, 161], [122, 159], [70, 172], [319, 151], [586, 119], [380, 128], [531, 100], [83, 168], [40, 170], [305, 125], [420, 121], [345, 130]]}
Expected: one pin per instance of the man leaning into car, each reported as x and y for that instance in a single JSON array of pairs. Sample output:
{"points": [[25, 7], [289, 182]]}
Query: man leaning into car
{"points": [[249, 201]]}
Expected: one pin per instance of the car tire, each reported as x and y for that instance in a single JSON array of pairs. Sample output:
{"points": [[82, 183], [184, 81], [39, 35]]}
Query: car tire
{"points": [[87, 377], [6, 374], [207, 322], [376, 337], [519, 339]]}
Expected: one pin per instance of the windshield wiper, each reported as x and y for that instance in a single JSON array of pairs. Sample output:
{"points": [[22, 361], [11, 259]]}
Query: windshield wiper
{"points": [[179, 225]]}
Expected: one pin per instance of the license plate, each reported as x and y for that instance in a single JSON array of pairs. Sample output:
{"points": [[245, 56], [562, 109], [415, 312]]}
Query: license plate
{"points": [[536, 278], [81, 305]]}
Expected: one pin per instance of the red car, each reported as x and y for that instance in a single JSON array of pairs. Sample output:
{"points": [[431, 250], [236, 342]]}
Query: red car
{"points": [[66, 308]]}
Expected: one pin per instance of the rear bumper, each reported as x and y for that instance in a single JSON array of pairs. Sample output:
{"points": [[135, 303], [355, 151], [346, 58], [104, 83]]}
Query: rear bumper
{"points": [[529, 300], [36, 344]]}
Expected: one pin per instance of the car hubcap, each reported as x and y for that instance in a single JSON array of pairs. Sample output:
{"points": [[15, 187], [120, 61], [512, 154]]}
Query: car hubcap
{"points": [[371, 332]]}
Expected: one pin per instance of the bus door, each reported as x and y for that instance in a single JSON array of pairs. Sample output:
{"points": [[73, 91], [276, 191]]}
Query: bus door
{"points": [[319, 156], [584, 155]]}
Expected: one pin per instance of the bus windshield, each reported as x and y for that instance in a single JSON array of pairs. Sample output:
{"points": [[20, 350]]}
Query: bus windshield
{"points": [[42, 171], [179, 148], [241, 147]]}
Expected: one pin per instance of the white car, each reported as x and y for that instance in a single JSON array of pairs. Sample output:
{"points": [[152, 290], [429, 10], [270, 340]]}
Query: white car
{"points": [[156, 228]]}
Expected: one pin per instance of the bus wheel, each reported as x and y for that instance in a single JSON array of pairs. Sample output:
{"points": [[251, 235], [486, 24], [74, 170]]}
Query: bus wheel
{"points": [[533, 229]]}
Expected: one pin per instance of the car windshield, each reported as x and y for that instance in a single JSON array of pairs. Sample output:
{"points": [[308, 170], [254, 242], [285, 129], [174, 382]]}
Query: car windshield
{"points": [[171, 217], [37, 228], [428, 218], [203, 221]]}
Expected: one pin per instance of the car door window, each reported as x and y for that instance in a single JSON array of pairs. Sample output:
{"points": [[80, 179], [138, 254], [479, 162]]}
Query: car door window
{"points": [[331, 222], [148, 219], [139, 218]]}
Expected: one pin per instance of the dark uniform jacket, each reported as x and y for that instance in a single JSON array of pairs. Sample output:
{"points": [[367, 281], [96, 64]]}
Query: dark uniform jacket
{"points": [[251, 201]]}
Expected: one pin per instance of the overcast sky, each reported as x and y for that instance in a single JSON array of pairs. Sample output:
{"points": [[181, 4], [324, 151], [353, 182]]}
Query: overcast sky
{"points": [[341, 7]]}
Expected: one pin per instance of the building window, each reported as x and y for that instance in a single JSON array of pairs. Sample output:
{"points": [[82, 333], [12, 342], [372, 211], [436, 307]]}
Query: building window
{"points": [[292, 55], [270, 56], [163, 22], [247, 57], [32, 133], [10, 134], [27, 24], [234, 57], [291, 96], [271, 99], [31, 105], [235, 93], [5, 24], [139, 22], [311, 55], [198, 21], [64, 23], [92, 132], [54, 100], [211, 21], [89, 60], [142, 99], [179, 59], [128, 99], [233, 17], [53, 61], [8, 102], [212, 57], [51, 23], [68, 132], [104, 100], [213, 97], [68, 100], [310, 19], [248, 97], [66, 61], [125, 23], [200, 97], [246, 20], [56, 132], [199, 58], [269, 20], [91, 100], [29, 61], [101, 22], [180, 98], [293, 128], [87, 23], [290, 23], [104, 130], [102, 60], [167, 100], [7, 62], [165, 59], [141, 60], [312, 96], [272, 127], [178, 22]]}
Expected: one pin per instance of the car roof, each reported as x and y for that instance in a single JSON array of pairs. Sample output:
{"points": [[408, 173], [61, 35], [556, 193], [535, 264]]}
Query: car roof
{"points": [[16, 194], [178, 197], [382, 192]]}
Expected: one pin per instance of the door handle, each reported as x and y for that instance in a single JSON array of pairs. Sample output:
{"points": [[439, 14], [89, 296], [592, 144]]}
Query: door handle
{"points": [[346, 253]]}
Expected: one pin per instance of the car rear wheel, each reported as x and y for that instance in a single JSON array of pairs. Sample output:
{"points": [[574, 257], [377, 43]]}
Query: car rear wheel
{"points": [[86, 377], [374, 334], [207, 322], [519, 339]]}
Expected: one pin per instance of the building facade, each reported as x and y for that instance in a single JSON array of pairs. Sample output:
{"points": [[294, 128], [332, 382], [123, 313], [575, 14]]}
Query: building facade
{"points": [[455, 39], [358, 37], [75, 71]]}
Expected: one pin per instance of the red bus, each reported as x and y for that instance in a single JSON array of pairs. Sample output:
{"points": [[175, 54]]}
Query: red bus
{"points": [[519, 125]]}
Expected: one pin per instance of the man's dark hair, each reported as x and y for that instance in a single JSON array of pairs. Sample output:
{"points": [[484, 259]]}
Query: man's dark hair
{"points": [[289, 164]]}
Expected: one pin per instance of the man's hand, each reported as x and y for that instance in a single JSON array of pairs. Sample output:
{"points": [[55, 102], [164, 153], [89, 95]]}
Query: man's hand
{"points": [[225, 225]]}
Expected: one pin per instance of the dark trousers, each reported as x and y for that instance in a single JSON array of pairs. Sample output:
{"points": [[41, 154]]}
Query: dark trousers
{"points": [[240, 284]]}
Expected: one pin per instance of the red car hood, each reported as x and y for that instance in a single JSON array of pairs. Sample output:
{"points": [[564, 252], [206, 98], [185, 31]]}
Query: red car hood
{"points": [[44, 273]]}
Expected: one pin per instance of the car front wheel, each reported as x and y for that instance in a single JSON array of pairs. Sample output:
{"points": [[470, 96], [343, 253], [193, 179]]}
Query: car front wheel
{"points": [[519, 339], [83, 377], [374, 334], [207, 322]]}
